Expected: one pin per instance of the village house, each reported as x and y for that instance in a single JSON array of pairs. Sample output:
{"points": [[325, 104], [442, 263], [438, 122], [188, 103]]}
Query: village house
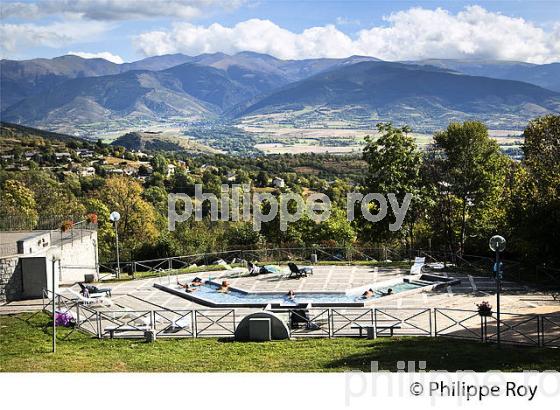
{"points": [[278, 182], [170, 170], [231, 177], [86, 171], [29, 155], [63, 156], [85, 153]]}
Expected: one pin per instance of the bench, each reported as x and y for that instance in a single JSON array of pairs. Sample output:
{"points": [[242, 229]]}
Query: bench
{"points": [[117, 329], [371, 329]]}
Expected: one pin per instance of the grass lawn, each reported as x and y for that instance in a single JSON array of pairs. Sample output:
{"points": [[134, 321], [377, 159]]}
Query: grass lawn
{"points": [[25, 347]]}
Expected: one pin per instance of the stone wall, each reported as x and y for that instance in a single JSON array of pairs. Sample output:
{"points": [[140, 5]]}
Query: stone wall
{"points": [[11, 284]]}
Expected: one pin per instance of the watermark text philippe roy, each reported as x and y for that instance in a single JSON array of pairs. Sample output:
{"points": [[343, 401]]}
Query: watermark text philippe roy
{"points": [[238, 203]]}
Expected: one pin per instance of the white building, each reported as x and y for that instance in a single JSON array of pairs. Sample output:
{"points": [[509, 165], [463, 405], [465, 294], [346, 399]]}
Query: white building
{"points": [[170, 170], [63, 156], [87, 171], [278, 182], [26, 261]]}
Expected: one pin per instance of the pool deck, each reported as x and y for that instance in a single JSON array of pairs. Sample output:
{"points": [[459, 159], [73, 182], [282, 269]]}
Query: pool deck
{"points": [[142, 295]]}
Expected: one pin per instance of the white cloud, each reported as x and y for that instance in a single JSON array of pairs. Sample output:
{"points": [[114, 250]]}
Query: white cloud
{"points": [[412, 34], [104, 54], [14, 37], [257, 35], [115, 9]]}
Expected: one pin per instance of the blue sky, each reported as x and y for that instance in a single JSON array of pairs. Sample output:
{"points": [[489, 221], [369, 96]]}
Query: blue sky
{"points": [[127, 30]]}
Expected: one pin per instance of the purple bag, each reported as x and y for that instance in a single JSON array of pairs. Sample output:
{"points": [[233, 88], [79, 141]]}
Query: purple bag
{"points": [[63, 319]]}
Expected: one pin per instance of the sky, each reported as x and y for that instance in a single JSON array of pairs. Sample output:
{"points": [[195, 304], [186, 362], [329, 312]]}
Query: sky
{"points": [[128, 30]]}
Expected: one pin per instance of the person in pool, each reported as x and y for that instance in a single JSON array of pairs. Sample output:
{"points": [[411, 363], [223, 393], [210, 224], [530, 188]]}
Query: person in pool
{"points": [[367, 294], [187, 287], [224, 288], [197, 282], [291, 295], [389, 292]]}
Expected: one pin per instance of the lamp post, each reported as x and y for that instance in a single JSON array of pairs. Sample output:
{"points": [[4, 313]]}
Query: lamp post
{"points": [[55, 257], [498, 244], [115, 217]]}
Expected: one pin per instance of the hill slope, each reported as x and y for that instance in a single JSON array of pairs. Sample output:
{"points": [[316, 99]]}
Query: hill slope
{"points": [[161, 141], [545, 75], [403, 93]]}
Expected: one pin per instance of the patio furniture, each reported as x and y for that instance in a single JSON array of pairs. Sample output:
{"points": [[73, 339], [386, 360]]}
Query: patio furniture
{"points": [[118, 329], [419, 263], [372, 331], [298, 317], [100, 299], [297, 272]]}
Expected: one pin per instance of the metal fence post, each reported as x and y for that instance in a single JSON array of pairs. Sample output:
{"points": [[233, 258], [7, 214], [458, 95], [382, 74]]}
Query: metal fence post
{"points": [[430, 320], [98, 322], [329, 316], [435, 322], [194, 324], [78, 315], [540, 330]]}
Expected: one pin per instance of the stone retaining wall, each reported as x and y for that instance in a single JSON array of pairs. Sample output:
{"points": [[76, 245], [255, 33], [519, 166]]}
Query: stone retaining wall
{"points": [[11, 283]]}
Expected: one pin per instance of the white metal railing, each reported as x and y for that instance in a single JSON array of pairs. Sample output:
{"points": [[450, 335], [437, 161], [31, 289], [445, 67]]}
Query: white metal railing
{"points": [[519, 329]]}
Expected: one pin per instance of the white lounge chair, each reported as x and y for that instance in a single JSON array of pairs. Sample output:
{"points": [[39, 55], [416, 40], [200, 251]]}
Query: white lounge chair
{"points": [[416, 269], [103, 300]]}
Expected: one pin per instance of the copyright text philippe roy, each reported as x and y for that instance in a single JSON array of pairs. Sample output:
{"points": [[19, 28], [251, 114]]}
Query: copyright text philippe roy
{"points": [[473, 391], [461, 387]]}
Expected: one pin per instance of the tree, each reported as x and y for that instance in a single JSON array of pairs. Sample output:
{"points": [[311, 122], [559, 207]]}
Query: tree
{"points": [[105, 231], [468, 170], [242, 234], [337, 229], [157, 197], [262, 179], [159, 163], [394, 164], [17, 201], [138, 217], [542, 153], [55, 201], [534, 211]]}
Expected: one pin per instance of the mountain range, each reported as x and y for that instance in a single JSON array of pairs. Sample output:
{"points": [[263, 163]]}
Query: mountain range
{"points": [[73, 94]]}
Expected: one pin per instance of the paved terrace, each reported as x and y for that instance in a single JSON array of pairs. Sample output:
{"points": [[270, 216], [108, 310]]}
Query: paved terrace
{"points": [[141, 295]]}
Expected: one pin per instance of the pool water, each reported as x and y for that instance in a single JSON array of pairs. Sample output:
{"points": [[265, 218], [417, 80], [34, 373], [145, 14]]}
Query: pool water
{"points": [[208, 292]]}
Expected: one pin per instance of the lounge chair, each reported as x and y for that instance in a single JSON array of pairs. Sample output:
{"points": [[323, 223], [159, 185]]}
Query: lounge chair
{"points": [[98, 300], [299, 272], [94, 291], [297, 317], [419, 263], [300, 317]]}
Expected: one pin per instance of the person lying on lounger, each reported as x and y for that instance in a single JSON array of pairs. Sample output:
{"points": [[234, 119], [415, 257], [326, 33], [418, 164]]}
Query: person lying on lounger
{"points": [[224, 288], [367, 294]]}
